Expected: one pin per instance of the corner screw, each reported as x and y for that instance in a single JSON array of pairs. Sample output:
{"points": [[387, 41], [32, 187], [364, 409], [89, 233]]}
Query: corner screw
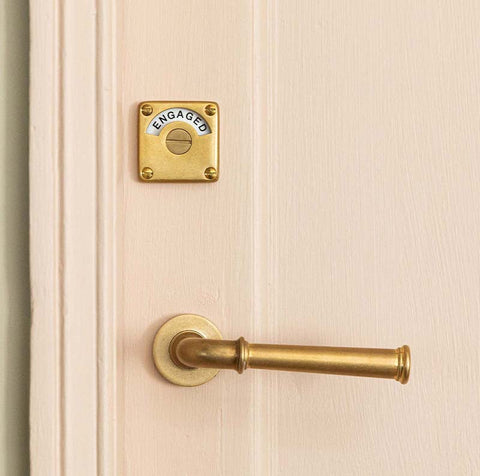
{"points": [[210, 110], [147, 109], [147, 173], [210, 173]]}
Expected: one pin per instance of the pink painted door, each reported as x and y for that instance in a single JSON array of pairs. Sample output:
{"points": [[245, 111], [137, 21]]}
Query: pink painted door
{"points": [[346, 214]]}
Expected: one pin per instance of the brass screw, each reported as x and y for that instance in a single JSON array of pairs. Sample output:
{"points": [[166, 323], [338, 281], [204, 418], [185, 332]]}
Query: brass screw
{"points": [[210, 173], [210, 110], [147, 173], [147, 109]]}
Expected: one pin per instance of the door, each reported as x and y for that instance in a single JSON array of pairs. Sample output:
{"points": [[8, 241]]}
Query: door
{"points": [[345, 214]]}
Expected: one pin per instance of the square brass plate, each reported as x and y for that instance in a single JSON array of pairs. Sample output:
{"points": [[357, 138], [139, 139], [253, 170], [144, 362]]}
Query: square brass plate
{"points": [[178, 141]]}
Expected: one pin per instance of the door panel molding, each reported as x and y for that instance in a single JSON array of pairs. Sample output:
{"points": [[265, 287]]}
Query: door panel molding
{"points": [[72, 210]]}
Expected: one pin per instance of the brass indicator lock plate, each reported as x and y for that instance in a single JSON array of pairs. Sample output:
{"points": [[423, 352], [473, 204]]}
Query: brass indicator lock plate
{"points": [[178, 141]]}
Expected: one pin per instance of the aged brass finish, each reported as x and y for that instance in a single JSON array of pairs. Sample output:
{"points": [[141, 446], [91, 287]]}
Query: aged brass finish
{"points": [[178, 141], [211, 173], [191, 350], [210, 109], [147, 173], [146, 109], [166, 341]]}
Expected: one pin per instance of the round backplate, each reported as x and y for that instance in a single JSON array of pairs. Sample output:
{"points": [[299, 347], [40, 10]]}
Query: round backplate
{"points": [[161, 344]]}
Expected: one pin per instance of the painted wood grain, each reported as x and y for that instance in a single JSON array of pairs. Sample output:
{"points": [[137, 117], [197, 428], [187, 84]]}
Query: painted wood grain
{"points": [[186, 247], [347, 213]]}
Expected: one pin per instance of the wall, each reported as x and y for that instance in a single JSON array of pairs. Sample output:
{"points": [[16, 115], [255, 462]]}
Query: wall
{"points": [[14, 275]]}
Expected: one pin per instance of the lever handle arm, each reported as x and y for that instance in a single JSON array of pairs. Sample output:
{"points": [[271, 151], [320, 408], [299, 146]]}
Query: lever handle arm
{"points": [[189, 350], [239, 355]]}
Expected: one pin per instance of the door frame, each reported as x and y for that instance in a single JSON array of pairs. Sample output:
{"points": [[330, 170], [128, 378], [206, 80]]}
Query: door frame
{"points": [[72, 236]]}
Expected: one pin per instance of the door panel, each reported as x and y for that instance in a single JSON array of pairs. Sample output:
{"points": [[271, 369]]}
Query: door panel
{"points": [[346, 214], [187, 247]]}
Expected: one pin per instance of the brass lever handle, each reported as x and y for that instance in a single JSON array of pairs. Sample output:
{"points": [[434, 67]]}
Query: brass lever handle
{"points": [[189, 350]]}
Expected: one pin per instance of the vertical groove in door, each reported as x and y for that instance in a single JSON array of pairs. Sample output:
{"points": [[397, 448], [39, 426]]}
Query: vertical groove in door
{"points": [[265, 326], [106, 78], [60, 233]]}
